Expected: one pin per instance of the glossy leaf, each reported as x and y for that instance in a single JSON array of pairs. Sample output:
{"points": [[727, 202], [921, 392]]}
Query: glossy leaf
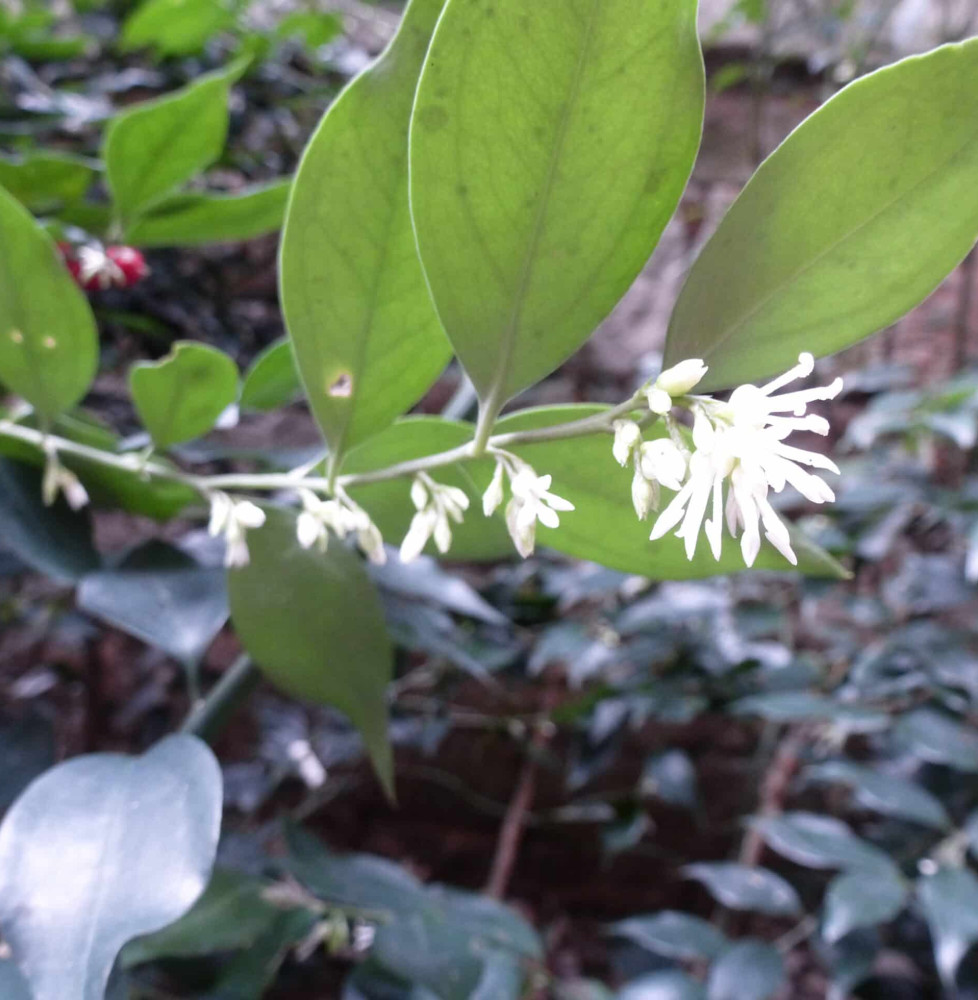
{"points": [[861, 899], [314, 623], [272, 380], [48, 340], [230, 915], [742, 887], [27, 749], [820, 842], [949, 899], [550, 144], [747, 970], [884, 793], [180, 397], [193, 219], [844, 228], [99, 850], [55, 540], [163, 597], [672, 935], [367, 340], [158, 145], [938, 739]]}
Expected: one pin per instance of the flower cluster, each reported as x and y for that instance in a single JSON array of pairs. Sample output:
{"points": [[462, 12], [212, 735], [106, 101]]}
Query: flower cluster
{"points": [[233, 519], [740, 442], [437, 506], [341, 516], [530, 501], [96, 269]]}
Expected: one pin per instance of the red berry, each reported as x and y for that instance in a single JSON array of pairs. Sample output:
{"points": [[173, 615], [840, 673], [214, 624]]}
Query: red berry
{"points": [[130, 262]]}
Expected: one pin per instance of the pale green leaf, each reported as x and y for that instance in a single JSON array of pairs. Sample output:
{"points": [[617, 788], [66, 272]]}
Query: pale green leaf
{"points": [[272, 380], [367, 340], [851, 222], [862, 899], [174, 27], [156, 146], [550, 144], [48, 340], [180, 397], [193, 219], [314, 623]]}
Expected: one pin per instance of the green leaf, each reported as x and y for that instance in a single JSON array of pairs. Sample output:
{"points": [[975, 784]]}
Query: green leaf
{"points": [[747, 970], [161, 596], [389, 503], [45, 182], [550, 144], [192, 219], [949, 899], [742, 887], [861, 899], [272, 380], [938, 739], [99, 850], [55, 540], [844, 228], [820, 842], [603, 527], [672, 935], [367, 340], [158, 145], [180, 397], [315, 28], [433, 936], [174, 27], [230, 915], [107, 486], [314, 623], [884, 793], [48, 340]]}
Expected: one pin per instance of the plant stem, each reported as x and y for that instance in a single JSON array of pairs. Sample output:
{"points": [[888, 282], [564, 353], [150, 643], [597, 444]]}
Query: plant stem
{"points": [[264, 482], [208, 717]]}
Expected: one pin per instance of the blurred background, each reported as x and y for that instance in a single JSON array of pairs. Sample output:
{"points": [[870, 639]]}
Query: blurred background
{"points": [[569, 737]]}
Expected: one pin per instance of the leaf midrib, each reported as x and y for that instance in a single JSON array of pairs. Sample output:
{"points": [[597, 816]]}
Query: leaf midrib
{"points": [[805, 268], [497, 388]]}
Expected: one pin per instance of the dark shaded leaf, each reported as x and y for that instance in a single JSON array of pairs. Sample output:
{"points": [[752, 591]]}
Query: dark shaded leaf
{"points": [[672, 935], [747, 970], [861, 899], [742, 887]]}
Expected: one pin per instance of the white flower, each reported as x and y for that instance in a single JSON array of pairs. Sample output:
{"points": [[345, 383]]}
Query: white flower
{"points": [[233, 519], [95, 264], [743, 441], [645, 493], [437, 506], [493, 496], [673, 382], [57, 479], [628, 436], [532, 502], [662, 461], [320, 516]]}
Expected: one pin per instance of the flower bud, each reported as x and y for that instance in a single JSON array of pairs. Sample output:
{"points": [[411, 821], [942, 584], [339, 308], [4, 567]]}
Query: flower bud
{"points": [[493, 496], [659, 400], [679, 379], [645, 494], [663, 462], [628, 436]]}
